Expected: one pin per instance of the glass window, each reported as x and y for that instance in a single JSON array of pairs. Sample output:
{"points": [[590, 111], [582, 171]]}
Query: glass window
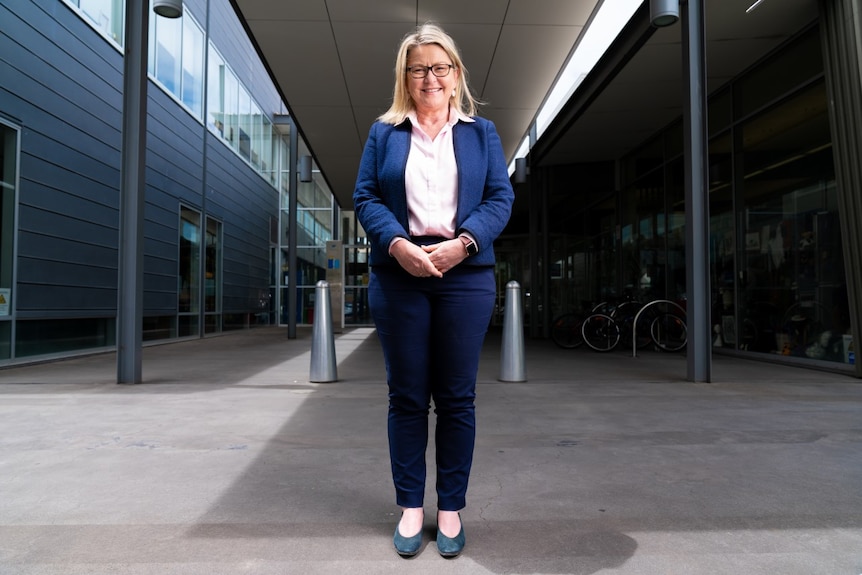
{"points": [[234, 115], [643, 161], [674, 231], [106, 16], [256, 133], [603, 230], [722, 241], [168, 33], [215, 92], [159, 327], [177, 58], [193, 66], [189, 262], [244, 115], [642, 245], [785, 72], [794, 299], [284, 171], [674, 141], [231, 107], [313, 195], [268, 147], [720, 112], [8, 184], [212, 275], [55, 336]]}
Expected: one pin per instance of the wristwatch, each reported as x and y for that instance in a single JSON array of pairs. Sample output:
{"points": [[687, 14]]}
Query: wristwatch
{"points": [[469, 245]]}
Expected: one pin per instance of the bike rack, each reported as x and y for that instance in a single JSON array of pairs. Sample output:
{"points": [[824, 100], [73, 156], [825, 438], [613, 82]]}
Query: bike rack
{"points": [[638, 315]]}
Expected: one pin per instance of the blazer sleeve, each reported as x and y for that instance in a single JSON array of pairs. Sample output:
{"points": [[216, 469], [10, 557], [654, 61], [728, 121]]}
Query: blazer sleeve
{"points": [[374, 205], [486, 221]]}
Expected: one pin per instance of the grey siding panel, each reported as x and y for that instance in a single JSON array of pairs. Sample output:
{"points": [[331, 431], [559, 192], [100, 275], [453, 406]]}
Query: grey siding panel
{"points": [[174, 171], [63, 248], [102, 192], [39, 149], [47, 272], [66, 301], [62, 82], [175, 140], [73, 107], [51, 223], [246, 226], [54, 34], [51, 200], [160, 233], [69, 108], [160, 303]]}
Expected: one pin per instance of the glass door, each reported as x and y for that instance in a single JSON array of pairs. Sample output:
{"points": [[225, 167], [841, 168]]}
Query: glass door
{"points": [[356, 312]]}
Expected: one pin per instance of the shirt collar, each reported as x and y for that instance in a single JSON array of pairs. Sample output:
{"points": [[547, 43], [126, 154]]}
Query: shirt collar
{"points": [[454, 117]]}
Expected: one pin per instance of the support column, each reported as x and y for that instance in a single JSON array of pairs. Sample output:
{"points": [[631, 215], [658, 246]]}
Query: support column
{"points": [[699, 356], [292, 261], [841, 33], [130, 295]]}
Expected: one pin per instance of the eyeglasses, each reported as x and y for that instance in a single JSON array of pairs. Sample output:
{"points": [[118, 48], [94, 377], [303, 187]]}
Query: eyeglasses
{"points": [[439, 70]]}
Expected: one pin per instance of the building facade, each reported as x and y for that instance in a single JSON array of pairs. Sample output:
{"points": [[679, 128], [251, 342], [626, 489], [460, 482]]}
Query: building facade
{"points": [[218, 165], [784, 206], [222, 152]]}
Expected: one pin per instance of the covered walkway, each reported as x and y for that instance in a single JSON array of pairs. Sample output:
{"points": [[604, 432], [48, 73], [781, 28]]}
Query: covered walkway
{"points": [[227, 460]]}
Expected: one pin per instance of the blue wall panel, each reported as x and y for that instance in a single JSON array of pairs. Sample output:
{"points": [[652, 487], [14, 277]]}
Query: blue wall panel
{"points": [[61, 82]]}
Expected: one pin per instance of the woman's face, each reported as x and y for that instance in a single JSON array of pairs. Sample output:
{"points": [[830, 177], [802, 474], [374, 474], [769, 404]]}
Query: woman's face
{"points": [[430, 93]]}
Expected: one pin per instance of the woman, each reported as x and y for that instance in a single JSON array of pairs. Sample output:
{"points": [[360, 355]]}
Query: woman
{"points": [[432, 194]]}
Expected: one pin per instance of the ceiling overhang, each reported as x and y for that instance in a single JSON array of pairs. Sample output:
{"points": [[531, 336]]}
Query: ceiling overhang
{"points": [[332, 62]]}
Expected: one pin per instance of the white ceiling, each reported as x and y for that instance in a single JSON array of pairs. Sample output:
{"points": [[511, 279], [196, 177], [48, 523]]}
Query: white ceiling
{"points": [[333, 62]]}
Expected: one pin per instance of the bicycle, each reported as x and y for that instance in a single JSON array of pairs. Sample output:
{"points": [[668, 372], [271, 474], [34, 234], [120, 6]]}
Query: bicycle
{"points": [[600, 332], [660, 322], [625, 313], [566, 328], [608, 324], [669, 332]]}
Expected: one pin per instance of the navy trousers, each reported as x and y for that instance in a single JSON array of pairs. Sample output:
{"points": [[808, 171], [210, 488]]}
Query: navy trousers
{"points": [[432, 331]]}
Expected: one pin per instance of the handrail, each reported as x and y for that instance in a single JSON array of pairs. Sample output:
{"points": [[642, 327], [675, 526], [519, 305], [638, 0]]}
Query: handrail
{"points": [[638, 315]]}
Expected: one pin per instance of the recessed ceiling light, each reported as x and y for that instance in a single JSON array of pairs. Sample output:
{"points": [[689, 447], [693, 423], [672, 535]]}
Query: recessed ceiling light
{"points": [[753, 6]]}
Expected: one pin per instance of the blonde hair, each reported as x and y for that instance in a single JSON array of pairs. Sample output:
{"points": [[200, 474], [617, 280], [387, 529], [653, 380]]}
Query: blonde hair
{"points": [[402, 103]]}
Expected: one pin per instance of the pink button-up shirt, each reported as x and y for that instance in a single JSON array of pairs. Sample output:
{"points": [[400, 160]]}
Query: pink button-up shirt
{"points": [[431, 180]]}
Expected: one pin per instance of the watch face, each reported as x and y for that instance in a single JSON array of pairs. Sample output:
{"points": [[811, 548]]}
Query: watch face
{"points": [[471, 249]]}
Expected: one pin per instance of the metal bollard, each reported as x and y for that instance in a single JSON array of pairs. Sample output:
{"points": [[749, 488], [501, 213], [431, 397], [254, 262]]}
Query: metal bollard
{"points": [[323, 367], [512, 354]]}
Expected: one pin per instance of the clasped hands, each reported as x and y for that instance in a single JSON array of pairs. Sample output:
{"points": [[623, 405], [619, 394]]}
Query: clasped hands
{"points": [[431, 260]]}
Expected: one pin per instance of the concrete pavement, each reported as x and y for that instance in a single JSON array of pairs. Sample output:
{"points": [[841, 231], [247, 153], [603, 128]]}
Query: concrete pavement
{"points": [[227, 460]]}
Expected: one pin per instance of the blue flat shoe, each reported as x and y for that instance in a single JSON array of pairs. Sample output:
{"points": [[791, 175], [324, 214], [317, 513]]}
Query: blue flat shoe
{"points": [[407, 546], [451, 546]]}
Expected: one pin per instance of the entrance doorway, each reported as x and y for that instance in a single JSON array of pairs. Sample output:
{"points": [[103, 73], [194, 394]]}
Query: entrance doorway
{"points": [[356, 312]]}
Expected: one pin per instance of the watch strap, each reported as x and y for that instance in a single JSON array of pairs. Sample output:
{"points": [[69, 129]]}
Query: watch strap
{"points": [[469, 245]]}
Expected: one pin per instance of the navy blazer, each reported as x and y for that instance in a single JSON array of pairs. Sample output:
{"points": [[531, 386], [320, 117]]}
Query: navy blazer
{"points": [[485, 194]]}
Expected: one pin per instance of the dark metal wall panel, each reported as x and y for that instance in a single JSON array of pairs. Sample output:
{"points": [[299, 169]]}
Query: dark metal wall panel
{"points": [[841, 31], [79, 182], [61, 82], [49, 272], [245, 216], [174, 149]]}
